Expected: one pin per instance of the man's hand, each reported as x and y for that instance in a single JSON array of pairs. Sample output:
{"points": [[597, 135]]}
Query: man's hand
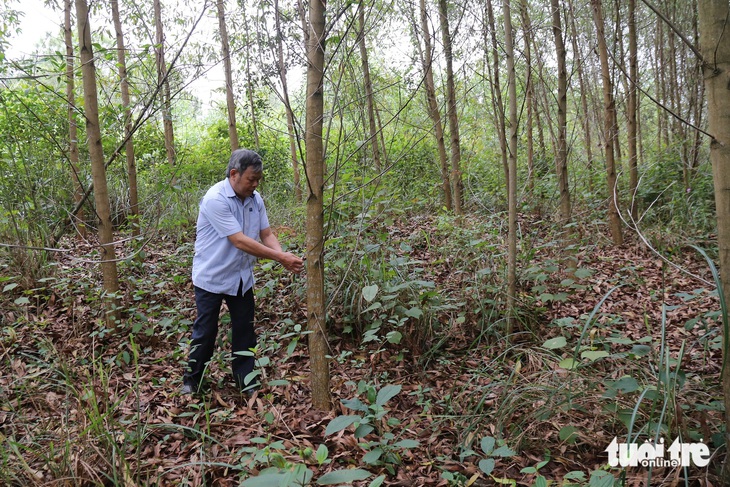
{"points": [[291, 262]]}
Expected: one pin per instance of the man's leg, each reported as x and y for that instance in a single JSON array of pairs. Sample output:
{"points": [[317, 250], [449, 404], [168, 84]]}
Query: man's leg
{"points": [[205, 330], [243, 336]]}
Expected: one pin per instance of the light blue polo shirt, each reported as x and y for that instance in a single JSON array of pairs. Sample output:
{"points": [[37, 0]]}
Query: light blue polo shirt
{"points": [[218, 266]]}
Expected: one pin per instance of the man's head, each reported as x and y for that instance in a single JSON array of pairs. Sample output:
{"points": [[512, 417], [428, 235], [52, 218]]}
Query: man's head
{"points": [[242, 159], [244, 172]]}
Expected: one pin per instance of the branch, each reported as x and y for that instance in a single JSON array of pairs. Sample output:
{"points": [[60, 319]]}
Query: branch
{"points": [[676, 30]]}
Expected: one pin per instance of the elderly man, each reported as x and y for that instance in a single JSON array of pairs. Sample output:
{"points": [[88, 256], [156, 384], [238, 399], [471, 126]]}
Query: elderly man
{"points": [[232, 232]]}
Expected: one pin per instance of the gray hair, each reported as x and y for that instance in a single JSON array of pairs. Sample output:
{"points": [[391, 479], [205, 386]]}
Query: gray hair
{"points": [[242, 159]]}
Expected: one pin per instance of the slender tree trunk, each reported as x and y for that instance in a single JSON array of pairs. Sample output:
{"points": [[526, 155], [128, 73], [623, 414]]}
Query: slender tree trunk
{"points": [[287, 104], [129, 142], [609, 107], [496, 88], [226, 52], [249, 87], [512, 181], [73, 146], [529, 95], [98, 172], [585, 114], [433, 109], [453, 115], [632, 110], [561, 150], [368, 87], [164, 81], [317, 324], [715, 47]]}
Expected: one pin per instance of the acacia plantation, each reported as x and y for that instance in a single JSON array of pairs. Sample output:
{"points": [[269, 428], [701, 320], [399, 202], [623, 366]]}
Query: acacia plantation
{"points": [[514, 217]]}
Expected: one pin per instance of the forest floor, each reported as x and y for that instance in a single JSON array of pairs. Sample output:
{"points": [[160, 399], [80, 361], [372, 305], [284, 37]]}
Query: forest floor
{"points": [[83, 405]]}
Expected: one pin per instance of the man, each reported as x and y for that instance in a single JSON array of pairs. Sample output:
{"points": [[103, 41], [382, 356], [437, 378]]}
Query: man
{"points": [[232, 232]]}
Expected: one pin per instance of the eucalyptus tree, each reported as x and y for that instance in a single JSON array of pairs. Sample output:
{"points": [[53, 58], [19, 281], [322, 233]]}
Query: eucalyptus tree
{"points": [[509, 53], [452, 110], [73, 147], [715, 49], [529, 94], [427, 63], [126, 106], [315, 170], [368, 86], [164, 82], [561, 145], [98, 170], [226, 53], [610, 132]]}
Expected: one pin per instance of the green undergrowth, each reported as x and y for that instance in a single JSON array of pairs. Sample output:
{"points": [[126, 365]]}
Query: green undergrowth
{"points": [[426, 384]]}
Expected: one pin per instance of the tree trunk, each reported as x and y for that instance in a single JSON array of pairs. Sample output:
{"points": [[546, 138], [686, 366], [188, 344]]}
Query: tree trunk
{"points": [[249, 87], [561, 149], [128, 140], [632, 109], [715, 46], [287, 105], [455, 145], [433, 109], [164, 82], [98, 172], [512, 181], [368, 88], [496, 89], [585, 114], [226, 52], [73, 146], [316, 319], [610, 129], [529, 95]]}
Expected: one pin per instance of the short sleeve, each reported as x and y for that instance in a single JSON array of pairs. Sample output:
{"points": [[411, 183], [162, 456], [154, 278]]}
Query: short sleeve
{"points": [[221, 218]]}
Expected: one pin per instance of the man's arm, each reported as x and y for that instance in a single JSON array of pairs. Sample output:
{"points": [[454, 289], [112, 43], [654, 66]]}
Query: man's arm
{"points": [[269, 249]]}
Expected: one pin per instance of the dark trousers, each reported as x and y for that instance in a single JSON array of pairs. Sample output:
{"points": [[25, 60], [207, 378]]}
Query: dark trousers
{"points": [[205, 331]]}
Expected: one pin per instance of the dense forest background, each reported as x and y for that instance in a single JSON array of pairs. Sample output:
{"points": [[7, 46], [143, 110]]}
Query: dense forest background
{"points": [[510, 203]]}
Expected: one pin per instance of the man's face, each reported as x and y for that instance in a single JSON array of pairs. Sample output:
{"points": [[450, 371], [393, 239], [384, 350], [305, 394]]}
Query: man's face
{"points": [[246, 182]]}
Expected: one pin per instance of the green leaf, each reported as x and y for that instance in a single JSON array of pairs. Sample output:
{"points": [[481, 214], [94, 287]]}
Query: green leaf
{"points": [[504, 451], [594, 355], [22, 300], [394, 337], [387, 393], [414, 313], [407, 444], [271, 477], [569, 434], [322, 454], [344, 476], [488, 444], [486, 465], [369, 292], [378, 481], [10, 287], [583, 273], [340, 423], [553, 343], [278, 382], [568, 363], [372, 457]]}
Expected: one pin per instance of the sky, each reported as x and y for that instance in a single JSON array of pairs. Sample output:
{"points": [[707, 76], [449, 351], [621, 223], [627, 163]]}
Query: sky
{"points": [[35, 24]]}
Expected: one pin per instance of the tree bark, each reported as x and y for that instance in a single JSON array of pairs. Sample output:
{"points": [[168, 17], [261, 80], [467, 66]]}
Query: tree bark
{"points": [[368, 88], [453, 115], [496, 89], [561, 149], [129, 142], [610, 128], [433, 109], [164, 81], [98, 172], [287, 105], [226, 52], [715, 47], [529, 95], [632, 109], [512, 181], [73, 146], [316, 319]]}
